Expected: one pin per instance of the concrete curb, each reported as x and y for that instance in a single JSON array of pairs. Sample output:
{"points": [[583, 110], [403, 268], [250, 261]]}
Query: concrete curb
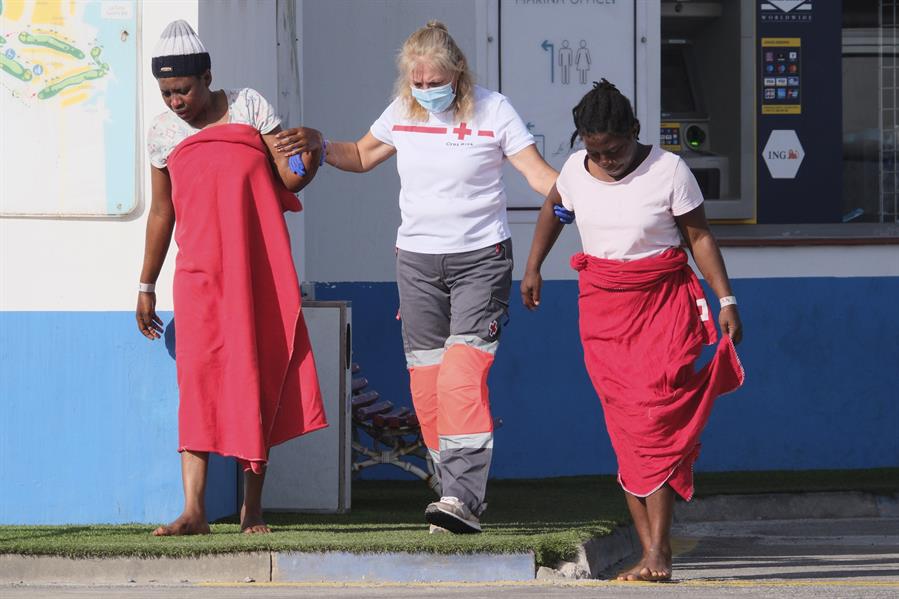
{"points": [[401, 567], [595, 556], [270, 567], [226, 567], [788, 506]]}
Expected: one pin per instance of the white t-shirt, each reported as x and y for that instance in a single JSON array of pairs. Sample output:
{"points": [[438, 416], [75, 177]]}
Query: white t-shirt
{"points": [[452, 197], [245, 107], [634, 217]]}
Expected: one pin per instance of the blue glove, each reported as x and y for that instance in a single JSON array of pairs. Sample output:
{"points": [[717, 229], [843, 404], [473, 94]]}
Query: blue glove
{"points": [[566, 217], [296, 165]]}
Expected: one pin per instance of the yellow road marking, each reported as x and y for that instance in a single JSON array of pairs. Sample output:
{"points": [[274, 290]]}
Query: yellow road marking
{"points": [[578, 583], [792, 583]]}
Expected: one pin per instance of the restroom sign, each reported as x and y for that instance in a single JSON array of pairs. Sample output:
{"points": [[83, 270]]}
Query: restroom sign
{"points": [[783, 154]]}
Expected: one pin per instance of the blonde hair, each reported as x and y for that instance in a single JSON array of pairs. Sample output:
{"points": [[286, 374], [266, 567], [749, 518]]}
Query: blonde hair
{"points": [[434, 45]]}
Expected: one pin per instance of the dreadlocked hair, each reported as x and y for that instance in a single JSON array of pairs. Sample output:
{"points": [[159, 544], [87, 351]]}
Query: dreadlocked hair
{"points": [[604, 109]]}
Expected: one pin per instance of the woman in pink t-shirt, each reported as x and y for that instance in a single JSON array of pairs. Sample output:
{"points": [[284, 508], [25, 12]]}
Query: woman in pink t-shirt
{"points": [[643, 314]]}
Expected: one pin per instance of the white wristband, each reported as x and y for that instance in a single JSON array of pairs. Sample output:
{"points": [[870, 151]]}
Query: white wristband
{"points": [[146, 287], [728, 300]]}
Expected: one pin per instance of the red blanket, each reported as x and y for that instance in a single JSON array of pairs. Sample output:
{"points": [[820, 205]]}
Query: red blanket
{"points": [[643, 324], [246, 373]]}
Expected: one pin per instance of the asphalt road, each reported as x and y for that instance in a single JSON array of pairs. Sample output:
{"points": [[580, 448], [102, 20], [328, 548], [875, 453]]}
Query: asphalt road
{"points": [[799, 559]]}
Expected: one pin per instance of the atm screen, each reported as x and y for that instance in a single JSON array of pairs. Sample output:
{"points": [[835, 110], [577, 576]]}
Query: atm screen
{"points": [[677, 92]]}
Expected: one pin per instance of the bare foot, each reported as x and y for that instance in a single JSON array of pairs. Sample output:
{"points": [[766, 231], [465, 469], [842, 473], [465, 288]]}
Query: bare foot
{"points": [[251, 522], [657, 565], [186, 524], [632, 574]]}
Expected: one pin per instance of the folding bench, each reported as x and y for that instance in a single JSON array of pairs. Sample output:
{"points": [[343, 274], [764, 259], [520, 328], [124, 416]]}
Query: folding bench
{"points": [[394, 431]]}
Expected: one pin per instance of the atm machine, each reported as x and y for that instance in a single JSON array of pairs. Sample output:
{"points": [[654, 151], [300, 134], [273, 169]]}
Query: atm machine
{"points": [[685, 126], [706, 98]]}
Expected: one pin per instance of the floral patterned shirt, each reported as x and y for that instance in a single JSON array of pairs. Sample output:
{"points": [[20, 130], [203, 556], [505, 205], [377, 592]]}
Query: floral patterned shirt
{"points": [[246, 106]]}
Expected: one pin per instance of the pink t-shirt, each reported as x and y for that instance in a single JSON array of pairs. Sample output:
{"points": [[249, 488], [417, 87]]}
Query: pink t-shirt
{"points": [[634, 217]]}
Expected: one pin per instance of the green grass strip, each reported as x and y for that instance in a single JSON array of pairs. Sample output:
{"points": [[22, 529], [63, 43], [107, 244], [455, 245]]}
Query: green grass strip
{"points": [[550, 517]]}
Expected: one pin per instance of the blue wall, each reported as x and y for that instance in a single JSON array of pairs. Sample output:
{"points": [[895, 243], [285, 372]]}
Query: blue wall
{"points": [[821, 355], [89, 430]]}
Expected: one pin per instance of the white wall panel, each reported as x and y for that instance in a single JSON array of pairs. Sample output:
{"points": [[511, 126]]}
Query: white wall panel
{"points": [[348, 71], [91, 264]]}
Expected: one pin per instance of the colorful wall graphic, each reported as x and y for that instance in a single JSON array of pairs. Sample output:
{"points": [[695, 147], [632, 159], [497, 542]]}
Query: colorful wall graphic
{"points": [[68, 91]]}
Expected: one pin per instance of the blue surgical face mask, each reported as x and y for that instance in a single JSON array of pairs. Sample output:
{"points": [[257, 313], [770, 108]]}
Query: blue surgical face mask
{"points": [[435, 99]]}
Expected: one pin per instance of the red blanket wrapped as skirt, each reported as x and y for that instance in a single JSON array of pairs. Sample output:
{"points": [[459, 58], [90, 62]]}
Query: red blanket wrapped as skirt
{"points": [[643, 324], [246, 373]]}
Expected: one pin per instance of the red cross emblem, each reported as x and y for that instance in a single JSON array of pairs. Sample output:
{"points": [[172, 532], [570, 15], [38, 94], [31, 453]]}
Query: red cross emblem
{"points": [[462, 130]]}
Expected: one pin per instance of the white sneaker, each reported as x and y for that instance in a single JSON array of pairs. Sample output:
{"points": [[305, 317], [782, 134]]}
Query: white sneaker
{"points": [[453, 515], [433, 529]]}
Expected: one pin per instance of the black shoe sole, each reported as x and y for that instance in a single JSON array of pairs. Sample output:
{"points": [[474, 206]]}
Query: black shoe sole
{"points": [[435, 516]]}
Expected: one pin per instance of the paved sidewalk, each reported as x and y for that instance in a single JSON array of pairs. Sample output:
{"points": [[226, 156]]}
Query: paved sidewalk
{"points": [[857, 549]]}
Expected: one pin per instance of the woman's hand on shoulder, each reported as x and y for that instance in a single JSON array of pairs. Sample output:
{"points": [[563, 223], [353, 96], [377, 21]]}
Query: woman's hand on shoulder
{"points": [[148, 322], [729, 321], [298, 140], [530, 289]]}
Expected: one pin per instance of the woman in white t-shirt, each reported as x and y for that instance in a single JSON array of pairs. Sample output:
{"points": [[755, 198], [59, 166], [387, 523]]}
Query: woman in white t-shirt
{"points": [[454, 256], [643, 314]]}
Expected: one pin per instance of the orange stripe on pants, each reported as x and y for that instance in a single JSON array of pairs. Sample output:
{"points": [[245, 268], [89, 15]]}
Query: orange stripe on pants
{"points": [[423, 384], [464, 405]]}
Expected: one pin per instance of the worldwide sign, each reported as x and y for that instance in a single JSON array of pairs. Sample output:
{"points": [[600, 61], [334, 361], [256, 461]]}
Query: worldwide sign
{"points": [[785, 11]]}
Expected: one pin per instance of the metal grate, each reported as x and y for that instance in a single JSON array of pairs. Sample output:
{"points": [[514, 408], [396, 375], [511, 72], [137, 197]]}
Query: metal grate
{"points": [[889, 111]]}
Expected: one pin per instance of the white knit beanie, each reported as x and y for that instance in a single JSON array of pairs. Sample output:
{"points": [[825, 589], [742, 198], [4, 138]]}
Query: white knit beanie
{"points": [[179, 52]]}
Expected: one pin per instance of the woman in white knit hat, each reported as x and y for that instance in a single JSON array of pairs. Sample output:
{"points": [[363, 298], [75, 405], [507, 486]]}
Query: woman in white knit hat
{"points": [[246, 374]]}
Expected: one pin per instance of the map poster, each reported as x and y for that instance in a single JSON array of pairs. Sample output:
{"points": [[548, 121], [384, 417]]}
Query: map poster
{"points": [[68, 104]]}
